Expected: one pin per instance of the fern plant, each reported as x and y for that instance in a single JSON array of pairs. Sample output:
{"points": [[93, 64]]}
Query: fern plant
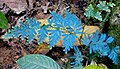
{"points": [[78, 58], [99, 43], [67, 26], [95, 11]]}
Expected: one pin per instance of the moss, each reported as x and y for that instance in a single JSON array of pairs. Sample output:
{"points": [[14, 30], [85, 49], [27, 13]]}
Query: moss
{"points": [[114, 31], [115, 66]]}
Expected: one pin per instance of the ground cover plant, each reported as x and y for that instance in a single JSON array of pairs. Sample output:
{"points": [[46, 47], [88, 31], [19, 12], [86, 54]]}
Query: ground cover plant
{"points": [[67, 26], [78, 49]]}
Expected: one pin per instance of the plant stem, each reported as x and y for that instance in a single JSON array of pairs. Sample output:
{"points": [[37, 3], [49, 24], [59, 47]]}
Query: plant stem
{"points": [[106, 17], [104, 20]]}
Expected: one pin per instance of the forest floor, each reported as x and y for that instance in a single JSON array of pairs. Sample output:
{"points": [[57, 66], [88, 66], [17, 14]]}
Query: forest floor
{"points": [[16, 10]]}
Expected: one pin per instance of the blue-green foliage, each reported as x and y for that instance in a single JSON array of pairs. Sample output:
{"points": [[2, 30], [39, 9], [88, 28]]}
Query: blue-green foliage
{"points": [[67, 26], [54, 37], [99, 43], [25, 30], [42, 34], [78, 58], [95, 12], [114, 54], [69, 40], [105, 6]]}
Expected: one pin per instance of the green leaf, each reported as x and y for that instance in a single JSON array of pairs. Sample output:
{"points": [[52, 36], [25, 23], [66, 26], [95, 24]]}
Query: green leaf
{"points": [[103, 6], [89, 11], [36, 61], [94, 67], [3, 21], [98, 16], [110, 4]]}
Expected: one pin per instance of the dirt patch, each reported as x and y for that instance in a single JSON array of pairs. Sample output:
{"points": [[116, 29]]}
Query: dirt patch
{"points": [[8, 56]]}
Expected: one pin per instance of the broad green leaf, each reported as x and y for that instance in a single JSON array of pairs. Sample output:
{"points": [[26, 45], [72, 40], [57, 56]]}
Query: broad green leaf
{"points": [[36, 61], [3, 21], [89, 11], [94, 67], [98, 16]]}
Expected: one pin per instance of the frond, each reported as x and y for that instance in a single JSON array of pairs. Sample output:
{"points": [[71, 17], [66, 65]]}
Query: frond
{"points": [[98, 43], [78, 58], [68, 41], [26, 29], [42, 34], [114, 54], [54, 37]]}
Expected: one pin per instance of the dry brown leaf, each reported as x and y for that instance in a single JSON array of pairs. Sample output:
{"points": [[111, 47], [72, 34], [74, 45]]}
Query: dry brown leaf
{"points": [[43, 21], [90, 29], [17, 5], [42, 49]]}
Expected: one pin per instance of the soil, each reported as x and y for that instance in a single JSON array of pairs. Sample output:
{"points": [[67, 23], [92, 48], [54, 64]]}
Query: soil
{"points": [[8, 57]]}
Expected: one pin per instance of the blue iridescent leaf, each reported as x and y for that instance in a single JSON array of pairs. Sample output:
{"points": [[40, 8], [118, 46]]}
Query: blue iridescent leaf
{"points": [[31, 35], [49, 21], [79, 30], [14, 33], [110, 40], [114, 54], [106, 50], [23, 35], [42, 34], [78, 58], [86, 41], [54, 37], [8, 35], [95, 36], [26, 29], [71, 23], [68, 41], [102, 37], [97, 43], [33, 23], [57, 19], [72, 20]]}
